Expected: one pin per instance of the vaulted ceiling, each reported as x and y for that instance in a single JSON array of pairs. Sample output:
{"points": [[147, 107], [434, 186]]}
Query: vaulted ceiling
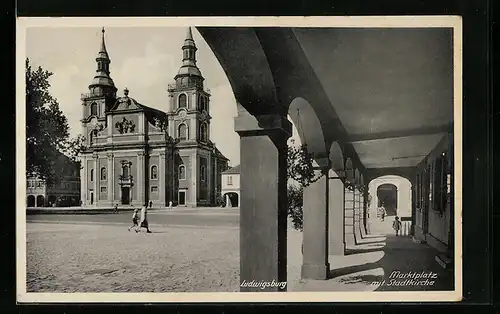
{"points": [[391, 88]]}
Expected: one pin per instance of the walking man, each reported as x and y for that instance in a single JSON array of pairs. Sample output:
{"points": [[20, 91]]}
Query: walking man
{"points": [[144, 220], [396, 225], [383, 213]]}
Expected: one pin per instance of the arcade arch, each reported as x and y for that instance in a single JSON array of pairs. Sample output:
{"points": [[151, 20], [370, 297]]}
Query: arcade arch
{"points": [[403, 187]]}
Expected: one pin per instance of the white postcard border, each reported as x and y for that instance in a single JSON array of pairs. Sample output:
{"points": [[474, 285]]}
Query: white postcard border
{"points": [[23, 23]]}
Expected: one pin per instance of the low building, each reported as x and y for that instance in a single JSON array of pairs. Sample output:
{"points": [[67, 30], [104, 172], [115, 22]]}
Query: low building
{"points": [[65, 193], [231, 186]]}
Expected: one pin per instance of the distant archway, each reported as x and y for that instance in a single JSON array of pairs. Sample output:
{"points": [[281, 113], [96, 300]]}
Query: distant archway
{"points": [[232, 199], [40, 201], [387, 195], [403, 194], [30, 202]]}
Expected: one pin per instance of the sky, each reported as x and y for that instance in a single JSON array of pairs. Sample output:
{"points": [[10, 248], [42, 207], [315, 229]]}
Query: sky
{"points": [[143, 59]]}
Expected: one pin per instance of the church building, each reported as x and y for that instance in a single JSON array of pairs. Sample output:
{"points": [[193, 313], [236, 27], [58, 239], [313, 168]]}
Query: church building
{"points": [[135, 154]]}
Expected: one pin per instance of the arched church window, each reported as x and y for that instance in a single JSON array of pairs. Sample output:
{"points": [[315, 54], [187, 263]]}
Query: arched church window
{"points": [[182, 101], [182, 132], [182, 172], [200, 105], [103, 173], [125, 171], [93, 109], [93, 135], [202, 173], [91, 175], [154, 172], [203, 103], [186, 54], [203, 132]]}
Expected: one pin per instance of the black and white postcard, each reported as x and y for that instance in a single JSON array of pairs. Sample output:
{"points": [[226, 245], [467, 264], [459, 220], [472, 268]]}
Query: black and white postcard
{"points": [[250, 159]]}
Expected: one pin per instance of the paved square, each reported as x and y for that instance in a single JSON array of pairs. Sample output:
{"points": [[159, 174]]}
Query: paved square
{"points": [[94, 254], [108, 258]]}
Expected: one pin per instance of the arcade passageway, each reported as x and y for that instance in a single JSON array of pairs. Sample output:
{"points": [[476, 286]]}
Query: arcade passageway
{"points": [[380, 262], [376, 108]]}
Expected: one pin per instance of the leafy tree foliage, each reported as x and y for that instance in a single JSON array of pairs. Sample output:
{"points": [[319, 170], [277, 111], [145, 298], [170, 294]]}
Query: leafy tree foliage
{"points": [[300, 165], [295, 202], [301, 170], [47, 130]]}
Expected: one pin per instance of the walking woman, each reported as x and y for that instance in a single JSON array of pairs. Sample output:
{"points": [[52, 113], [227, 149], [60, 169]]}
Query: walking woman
{"points": [[143, 223], [135, 219]]}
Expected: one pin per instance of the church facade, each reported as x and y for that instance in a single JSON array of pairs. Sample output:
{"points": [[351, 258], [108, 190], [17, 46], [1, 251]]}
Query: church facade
{"points": [[135, 154]]}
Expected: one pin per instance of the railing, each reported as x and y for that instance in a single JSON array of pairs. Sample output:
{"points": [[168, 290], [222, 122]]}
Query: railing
{"points": [[92, 94], [406, 226], [172, 87]]}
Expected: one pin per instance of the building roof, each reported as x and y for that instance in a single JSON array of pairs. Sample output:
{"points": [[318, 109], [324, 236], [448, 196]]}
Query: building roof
{"points": [[234, 170], [129, 103], [218, 153]]}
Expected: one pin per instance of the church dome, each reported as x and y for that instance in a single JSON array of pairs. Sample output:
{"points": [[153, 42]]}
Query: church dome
{"points": [[102, 79], [189, 70], [103, 54]]}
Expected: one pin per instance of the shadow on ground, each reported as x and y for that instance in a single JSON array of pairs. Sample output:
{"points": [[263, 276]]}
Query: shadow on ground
{"points": [[386, 262]]}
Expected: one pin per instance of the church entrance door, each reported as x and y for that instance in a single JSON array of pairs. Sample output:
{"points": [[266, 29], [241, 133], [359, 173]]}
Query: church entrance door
{"points": [[125, 195], [182, 197]]}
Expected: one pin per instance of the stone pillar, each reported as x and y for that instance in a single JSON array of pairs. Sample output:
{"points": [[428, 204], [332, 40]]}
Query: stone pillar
{"points": [[216, 181], [208, 180], [141, 179], [362, 214], [349, 217], [336, 242], [263, 214], [192, 200], [96, 178], [110, 174], [357, 232], [399, 209], [83, 182], [375, 200], [162, 179], [315, 226], [228, 202]]}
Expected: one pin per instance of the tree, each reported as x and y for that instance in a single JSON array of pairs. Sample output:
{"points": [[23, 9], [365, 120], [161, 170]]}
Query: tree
{"points": [[299, 169], [295, 202], [47, 129]]}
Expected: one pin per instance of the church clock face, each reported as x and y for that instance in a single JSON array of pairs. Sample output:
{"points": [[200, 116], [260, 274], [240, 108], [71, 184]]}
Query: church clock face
{"points": [[182, 114]]}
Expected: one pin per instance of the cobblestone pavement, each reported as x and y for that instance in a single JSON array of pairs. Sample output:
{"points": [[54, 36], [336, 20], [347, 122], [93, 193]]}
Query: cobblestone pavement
{"points": [[89, 255], [104, 258]]}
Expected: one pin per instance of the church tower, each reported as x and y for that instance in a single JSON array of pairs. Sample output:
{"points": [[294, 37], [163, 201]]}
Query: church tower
{"points": [[189, 118], [100, 98]]}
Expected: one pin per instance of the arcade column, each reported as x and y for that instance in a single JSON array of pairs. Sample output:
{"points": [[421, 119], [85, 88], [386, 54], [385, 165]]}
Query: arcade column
{"points": [[349, 217], [315, 226], [263, 214], [336, 242]]}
